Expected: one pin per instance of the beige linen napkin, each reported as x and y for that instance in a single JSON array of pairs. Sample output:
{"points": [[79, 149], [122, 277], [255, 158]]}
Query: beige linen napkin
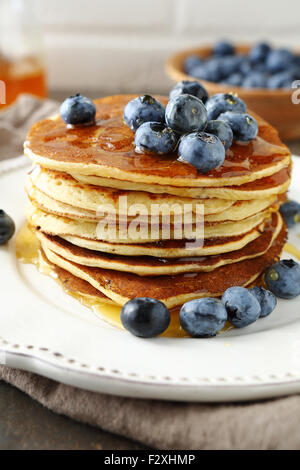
{"points": [[271, 424]]}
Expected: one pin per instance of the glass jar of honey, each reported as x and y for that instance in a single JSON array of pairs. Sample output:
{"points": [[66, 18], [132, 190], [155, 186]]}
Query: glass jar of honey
{"points": [[21, 53]]}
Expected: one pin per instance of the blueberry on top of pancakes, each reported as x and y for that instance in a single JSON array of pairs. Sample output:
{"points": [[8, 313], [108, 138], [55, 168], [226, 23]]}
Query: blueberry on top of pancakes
{"points": [[222, 130], [78, 110], [143, 109], [186, 113], [156, 138], [191, 88], [222, 102], [244, 126], [204, 151]]}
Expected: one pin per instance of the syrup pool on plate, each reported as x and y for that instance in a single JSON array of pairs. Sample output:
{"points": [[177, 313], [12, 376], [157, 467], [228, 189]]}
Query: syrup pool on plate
{"points": [[28, 251]]}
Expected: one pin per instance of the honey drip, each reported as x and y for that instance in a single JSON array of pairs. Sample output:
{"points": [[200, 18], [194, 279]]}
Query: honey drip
{"points": [[292, 250]]}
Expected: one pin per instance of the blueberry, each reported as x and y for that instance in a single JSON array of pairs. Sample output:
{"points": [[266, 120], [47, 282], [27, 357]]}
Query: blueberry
{"points": [[143, 109], [290, 211], [145, 317], [259, 52], [214, 69], [222, 130], [235, 79], [230, 65], [279, 60], [244, 126], [223, 48], [186, 113], [78, 110], [191, 62], [260, 67], [281, 80], [255, 80], [245, 67], [266, 299], [203, 318], [187, 87], [222, 102], [283, 279], [202, 72], [242, 306], [296, 60], [204, 151], [155, 137], [7, 227]]}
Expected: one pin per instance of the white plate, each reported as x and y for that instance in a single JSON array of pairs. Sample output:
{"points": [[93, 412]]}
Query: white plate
{"points": [[43, 330]]}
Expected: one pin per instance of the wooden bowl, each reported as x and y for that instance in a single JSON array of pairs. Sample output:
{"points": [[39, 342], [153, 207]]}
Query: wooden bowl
{"points": [[275, 106]]}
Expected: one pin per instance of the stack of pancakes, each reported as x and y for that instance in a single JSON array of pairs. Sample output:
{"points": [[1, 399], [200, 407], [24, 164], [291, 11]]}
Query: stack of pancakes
{"points": [[77, 170]]}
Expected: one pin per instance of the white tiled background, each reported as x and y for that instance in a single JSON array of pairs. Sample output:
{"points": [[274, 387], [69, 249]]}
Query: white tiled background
{"points": [[121, 45]]}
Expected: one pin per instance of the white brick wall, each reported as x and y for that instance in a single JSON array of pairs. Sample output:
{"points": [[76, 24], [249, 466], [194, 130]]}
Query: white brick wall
{"points": [[110, 46]]}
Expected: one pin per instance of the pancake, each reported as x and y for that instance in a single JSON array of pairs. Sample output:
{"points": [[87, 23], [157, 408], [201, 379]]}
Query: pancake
{"points": [[102, 247], [65, 189], [278, 183], [172, 290], [74, 285], [147, 266], [56, 225], [169, 248], [107, 149], [236, 211]]}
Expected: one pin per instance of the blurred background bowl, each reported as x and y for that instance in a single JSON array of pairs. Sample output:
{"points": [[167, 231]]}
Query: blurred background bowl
{"points": [[275, 106]]}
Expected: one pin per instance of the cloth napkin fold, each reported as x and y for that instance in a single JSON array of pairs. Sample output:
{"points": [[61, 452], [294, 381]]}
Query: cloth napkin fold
{"points": [[272, 424]]}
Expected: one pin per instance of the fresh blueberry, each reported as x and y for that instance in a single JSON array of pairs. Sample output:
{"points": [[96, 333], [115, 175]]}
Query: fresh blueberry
{"points": [[244, 126], [204, 151], [283, 279], [278, 60], [230, 65], [245, 67], [191, 62], [222, 130], [78, 110], [187, 87], [295, 72], [296, 60], [266, 299], [260, 67], [154, 137], [255, 80], [145, 317], [214, 69], [290, 211], [259, 52], [186, 113], [7, 227], [242, 306], [203, 318], [222, 102], [223, 48], [236, 79], [202, 72], [143, 109], [281, 80]]}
